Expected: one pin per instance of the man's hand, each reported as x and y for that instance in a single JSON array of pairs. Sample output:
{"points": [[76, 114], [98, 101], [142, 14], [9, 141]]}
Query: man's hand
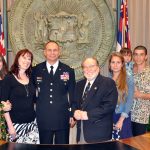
{"points": [[77, 114], [72, 122], [80, 115]]}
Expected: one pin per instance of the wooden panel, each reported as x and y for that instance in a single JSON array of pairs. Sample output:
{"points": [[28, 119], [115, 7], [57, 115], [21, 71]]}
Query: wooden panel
{"points": [[141, 142]]}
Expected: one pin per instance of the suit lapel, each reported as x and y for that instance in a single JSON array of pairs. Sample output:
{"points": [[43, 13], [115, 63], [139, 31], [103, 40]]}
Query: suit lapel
{"points": [[81, 88]]}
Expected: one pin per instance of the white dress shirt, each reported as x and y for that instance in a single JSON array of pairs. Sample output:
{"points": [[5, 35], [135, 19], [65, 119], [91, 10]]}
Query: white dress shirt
{"points": [[54, 65]]}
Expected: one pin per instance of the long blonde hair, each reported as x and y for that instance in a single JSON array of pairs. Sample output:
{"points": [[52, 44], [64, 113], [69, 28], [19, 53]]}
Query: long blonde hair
{"points": [[121, 81]]}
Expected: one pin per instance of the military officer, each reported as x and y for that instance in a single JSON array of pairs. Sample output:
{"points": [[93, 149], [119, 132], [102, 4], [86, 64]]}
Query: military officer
{"points": [[55, 82]]}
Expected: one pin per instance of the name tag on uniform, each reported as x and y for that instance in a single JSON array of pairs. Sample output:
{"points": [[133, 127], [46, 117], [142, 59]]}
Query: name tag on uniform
{"points": [[39, 79]]}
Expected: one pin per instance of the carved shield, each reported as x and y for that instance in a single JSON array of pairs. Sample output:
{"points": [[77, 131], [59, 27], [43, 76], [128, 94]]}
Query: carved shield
{"points": [[83, 28]]}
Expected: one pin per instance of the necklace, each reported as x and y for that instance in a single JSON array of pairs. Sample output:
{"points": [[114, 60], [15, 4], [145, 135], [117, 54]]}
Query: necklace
{"points": [[26, 89]]}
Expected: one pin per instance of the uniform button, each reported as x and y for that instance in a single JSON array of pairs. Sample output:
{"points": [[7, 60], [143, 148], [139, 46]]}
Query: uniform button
{"points": [[51, 96], [51, 89], [51, 102], [51, 83]]}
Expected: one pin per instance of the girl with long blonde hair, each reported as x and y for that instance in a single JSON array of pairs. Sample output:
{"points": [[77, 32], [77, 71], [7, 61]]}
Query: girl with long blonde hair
{"points": [[125, 86]]}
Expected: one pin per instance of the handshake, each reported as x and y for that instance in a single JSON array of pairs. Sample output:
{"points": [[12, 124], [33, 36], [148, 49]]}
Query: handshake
{"points": [[80, 115]]}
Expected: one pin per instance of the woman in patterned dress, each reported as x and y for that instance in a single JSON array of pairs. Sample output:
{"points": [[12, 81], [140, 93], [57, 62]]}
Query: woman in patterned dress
{"points": [[125, 86], [20, 91]]}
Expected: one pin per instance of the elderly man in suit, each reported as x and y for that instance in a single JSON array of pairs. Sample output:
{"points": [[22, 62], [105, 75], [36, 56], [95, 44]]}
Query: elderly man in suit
{"points": [[95, 101], [55, 84]]}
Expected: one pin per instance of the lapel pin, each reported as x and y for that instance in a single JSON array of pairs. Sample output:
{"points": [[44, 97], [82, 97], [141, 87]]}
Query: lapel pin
{"points": [[95, 88]]}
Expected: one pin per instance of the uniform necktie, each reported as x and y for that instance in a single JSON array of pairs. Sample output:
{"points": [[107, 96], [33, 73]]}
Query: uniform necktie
{"points": [[86, 91], [51, 71]]}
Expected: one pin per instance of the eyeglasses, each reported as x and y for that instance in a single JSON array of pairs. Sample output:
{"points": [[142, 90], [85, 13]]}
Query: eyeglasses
{"points": [[89, 67]]}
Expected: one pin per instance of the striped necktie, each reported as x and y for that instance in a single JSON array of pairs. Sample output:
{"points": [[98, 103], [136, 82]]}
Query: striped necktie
{"points": [[86, 91]]}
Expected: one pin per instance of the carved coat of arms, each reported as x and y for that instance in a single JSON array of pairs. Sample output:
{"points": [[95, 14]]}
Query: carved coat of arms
{"points": [[83, 28]]}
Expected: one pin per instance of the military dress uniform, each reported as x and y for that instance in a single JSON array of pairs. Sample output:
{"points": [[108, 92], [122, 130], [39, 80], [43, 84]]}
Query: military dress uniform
{"points": [[55, 94]]}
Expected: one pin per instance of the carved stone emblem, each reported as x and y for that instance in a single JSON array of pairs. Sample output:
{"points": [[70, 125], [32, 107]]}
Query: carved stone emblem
{"points": [[83, 28]]}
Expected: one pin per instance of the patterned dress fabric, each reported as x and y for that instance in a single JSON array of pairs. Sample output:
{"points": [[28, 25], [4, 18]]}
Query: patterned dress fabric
{"points": [[26, 133], [141, 108]]}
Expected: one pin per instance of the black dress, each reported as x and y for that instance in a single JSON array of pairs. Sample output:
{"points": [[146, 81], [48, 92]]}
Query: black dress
{"points": [[22, 113]]}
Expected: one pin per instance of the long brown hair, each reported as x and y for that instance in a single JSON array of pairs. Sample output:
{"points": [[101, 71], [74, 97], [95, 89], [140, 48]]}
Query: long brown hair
{"points": [[15, 67], [4, 69], [121, 82]]}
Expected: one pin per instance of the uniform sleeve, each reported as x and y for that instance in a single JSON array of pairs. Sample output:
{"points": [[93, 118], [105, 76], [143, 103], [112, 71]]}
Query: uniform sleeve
{"points": [[33, 79], [33, 76], [71, 89]]}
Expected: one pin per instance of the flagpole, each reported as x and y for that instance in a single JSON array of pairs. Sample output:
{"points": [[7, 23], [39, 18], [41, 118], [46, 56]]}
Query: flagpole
{"points": [[5, 27], [124, 22], [118, 12]]}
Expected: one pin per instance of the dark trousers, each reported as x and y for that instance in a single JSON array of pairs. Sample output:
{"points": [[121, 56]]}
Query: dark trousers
{"points": [[54, 136], [138, 128]]}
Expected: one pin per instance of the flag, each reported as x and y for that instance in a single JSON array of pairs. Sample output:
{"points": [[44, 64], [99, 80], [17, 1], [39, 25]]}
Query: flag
{"points": [[2, 45], [123, 38]]}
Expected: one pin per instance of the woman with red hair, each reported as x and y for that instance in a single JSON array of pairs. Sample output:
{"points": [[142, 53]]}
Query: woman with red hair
{"points": [[20, 91]]}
